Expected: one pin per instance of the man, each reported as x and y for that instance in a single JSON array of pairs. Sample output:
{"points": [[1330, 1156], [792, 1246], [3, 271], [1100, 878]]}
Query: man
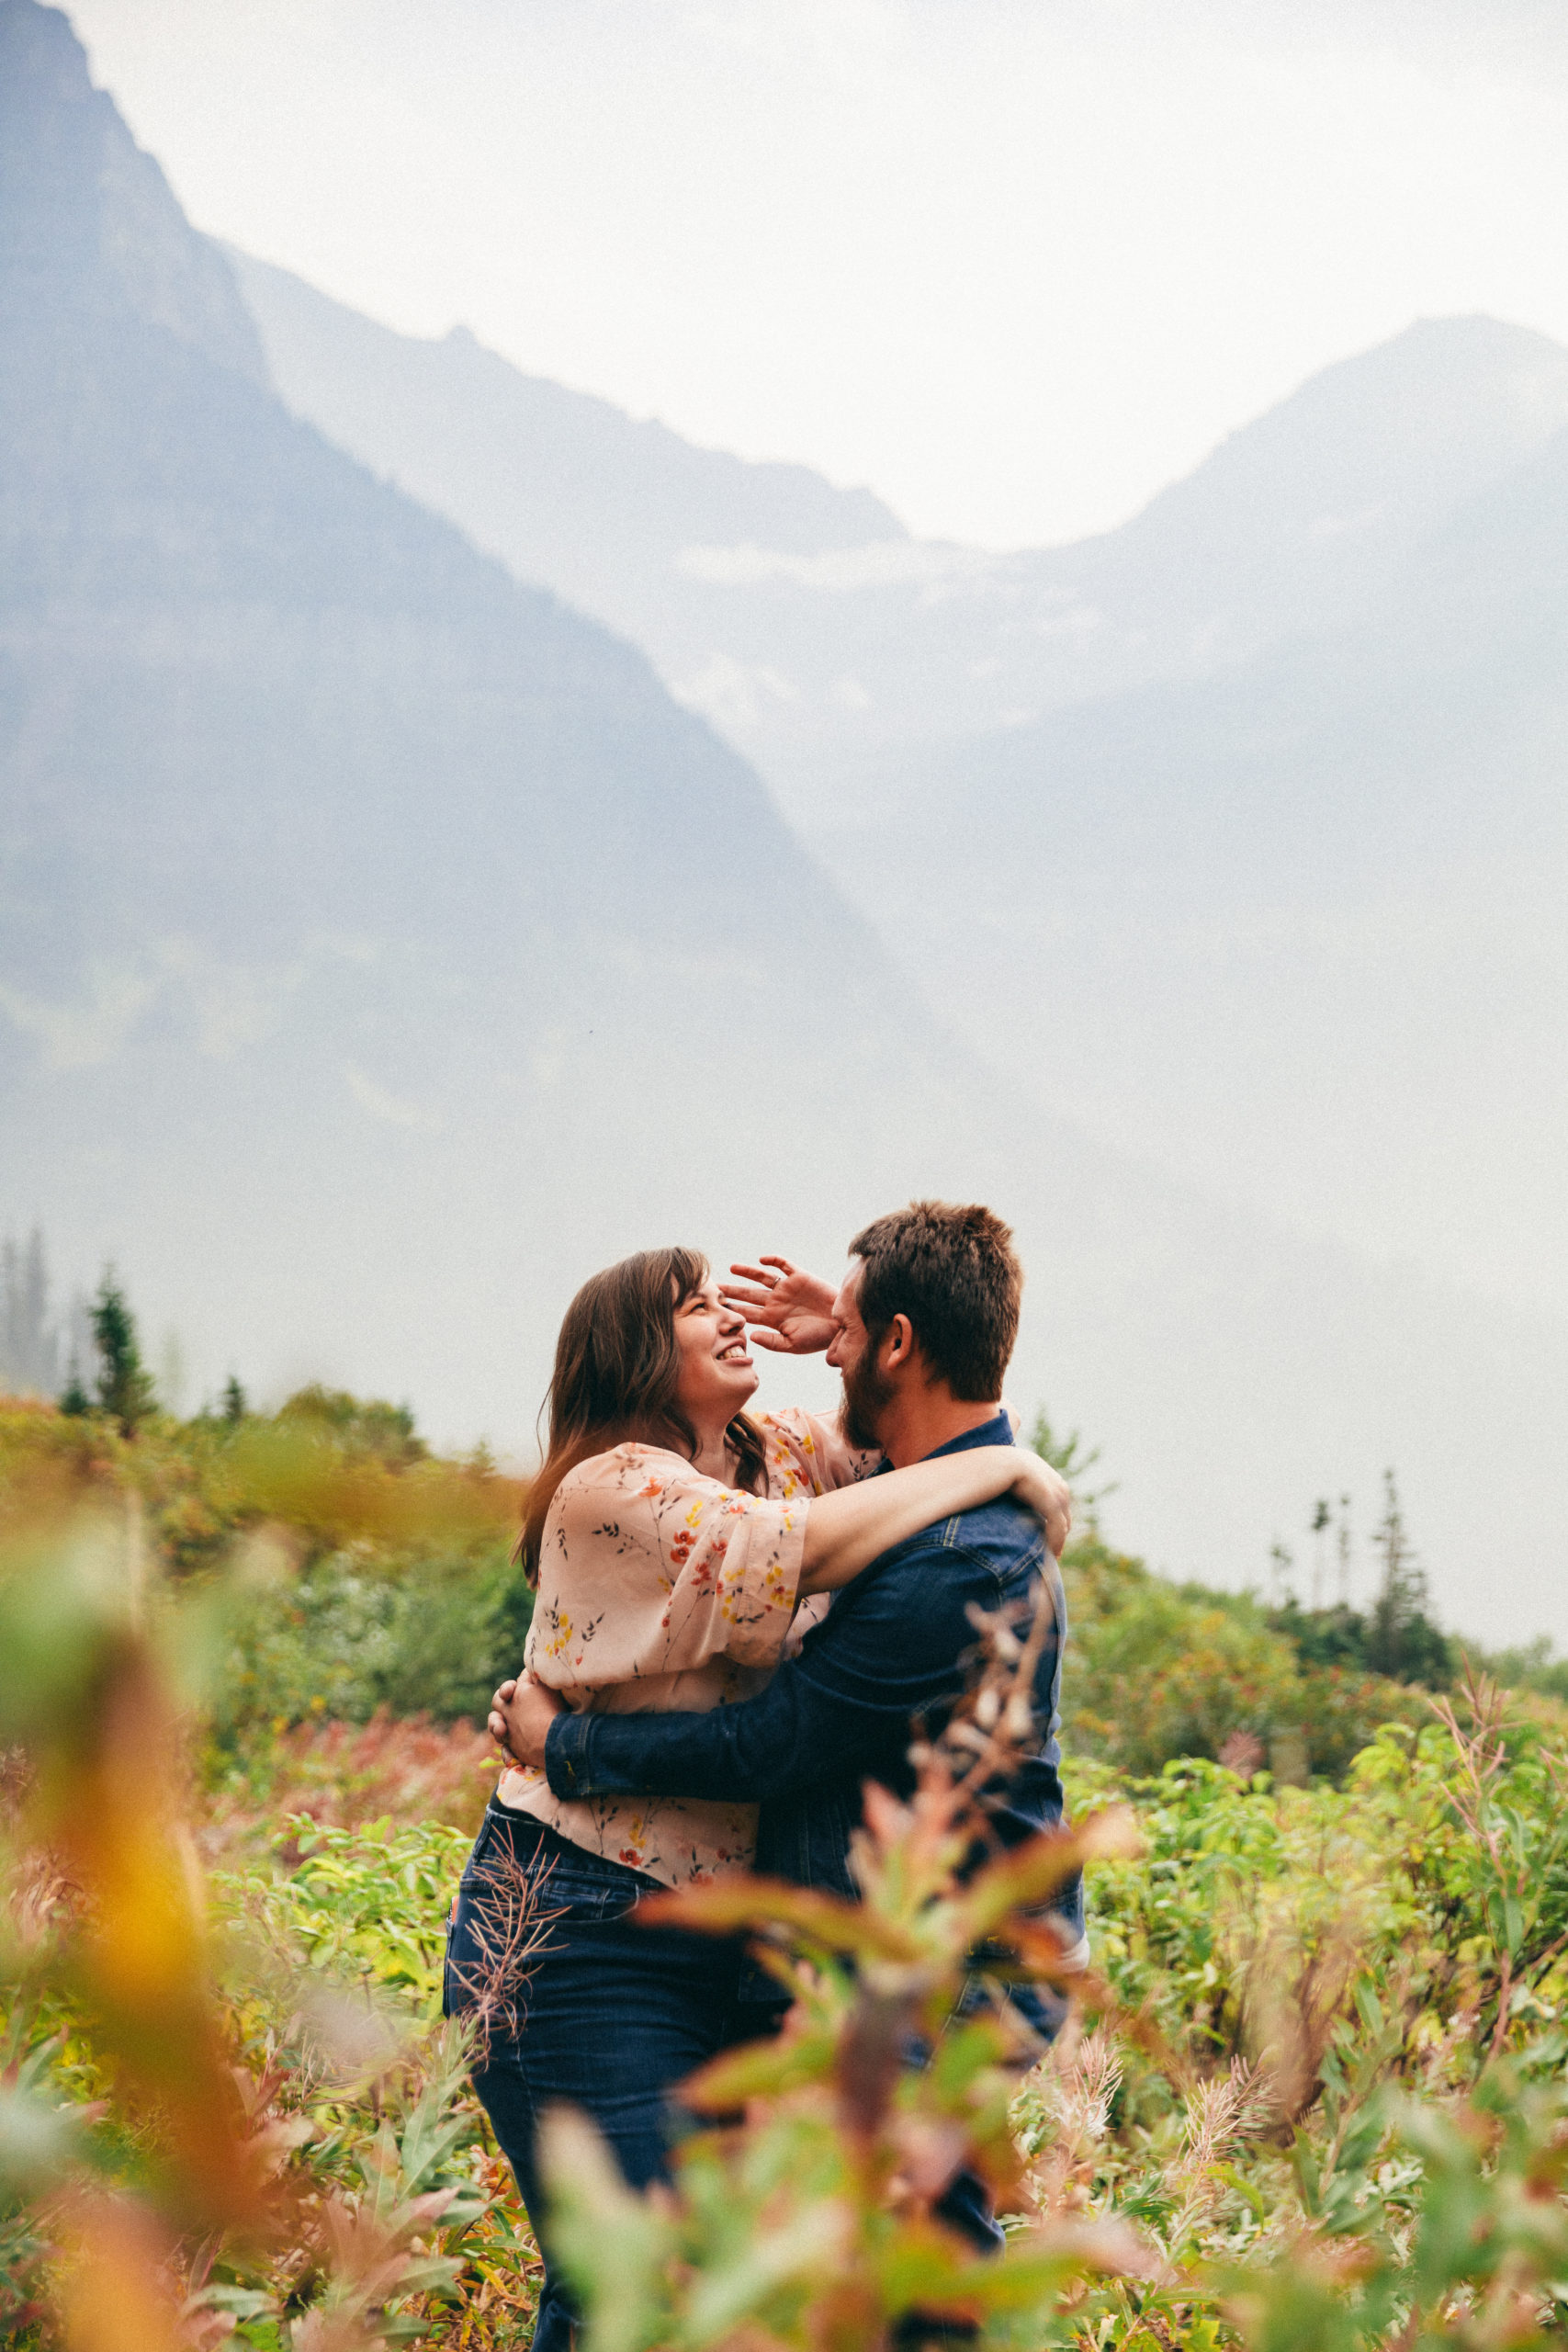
{"points": [[921, 1333]]}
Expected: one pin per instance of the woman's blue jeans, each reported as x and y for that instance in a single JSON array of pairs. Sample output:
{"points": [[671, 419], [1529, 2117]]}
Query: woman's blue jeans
{"points": [[611, 2014]]}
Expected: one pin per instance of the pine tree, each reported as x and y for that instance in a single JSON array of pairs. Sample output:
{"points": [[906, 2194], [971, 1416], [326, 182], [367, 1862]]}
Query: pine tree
{"points": [[125, 1387], [1403, 1642], [1320, 1518], [235, 1403], [30, 1350], [75, 1399], [11, 1312], [1067, 1456]]}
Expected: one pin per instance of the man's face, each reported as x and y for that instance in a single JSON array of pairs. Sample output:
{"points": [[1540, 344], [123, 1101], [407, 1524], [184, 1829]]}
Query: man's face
{"points": [[868, 1391]]}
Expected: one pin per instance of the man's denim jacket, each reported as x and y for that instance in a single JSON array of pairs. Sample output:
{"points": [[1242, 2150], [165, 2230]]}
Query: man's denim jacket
{"points": [[894, 1651]]}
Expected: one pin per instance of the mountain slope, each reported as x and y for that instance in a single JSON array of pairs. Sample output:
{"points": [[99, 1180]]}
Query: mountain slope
{"points": [[566, 488], [322, 833], [1272, 756], [382, 949], [821, 638], [1302, 921]]}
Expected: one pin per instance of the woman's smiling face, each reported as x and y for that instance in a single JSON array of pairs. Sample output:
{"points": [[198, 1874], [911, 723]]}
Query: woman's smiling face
{"points": [[716, 1376]]}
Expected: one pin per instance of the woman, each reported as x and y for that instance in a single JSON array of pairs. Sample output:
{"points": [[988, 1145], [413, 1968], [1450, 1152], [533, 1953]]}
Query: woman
{"points": [[673, 1539]]}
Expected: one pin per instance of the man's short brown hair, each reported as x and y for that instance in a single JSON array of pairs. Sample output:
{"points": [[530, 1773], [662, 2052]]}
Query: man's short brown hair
{"points": [[955, 1273]]}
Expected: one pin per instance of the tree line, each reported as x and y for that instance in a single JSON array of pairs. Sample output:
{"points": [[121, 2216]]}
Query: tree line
{"points": [[89, 1358]]}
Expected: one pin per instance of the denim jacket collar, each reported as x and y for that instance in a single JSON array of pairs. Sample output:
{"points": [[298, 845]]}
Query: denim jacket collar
{"points": [[997, 1431]]}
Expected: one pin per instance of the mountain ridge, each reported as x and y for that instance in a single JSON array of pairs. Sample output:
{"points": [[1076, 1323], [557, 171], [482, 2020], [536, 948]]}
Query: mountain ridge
{"points": [[1250, 681], [1307, 910], [382, 949], [823, 663]]}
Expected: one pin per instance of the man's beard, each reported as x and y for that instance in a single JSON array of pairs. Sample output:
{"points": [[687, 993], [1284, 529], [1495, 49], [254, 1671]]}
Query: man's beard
{"points": [[867, 1395]]}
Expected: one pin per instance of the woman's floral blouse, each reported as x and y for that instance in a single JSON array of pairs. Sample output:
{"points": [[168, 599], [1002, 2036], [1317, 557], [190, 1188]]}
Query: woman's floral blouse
{"points": [[661, 1589]]}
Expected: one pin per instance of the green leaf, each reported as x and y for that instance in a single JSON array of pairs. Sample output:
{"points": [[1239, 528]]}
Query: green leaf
{"points": [[735, 1903], [611, 2243]]}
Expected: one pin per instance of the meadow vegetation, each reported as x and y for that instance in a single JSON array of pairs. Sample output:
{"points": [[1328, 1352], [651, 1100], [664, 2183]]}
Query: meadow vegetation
{"points": [[1313, 2091]]}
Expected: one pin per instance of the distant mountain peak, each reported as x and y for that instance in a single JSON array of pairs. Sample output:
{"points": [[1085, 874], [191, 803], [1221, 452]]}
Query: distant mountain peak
{"points": [[87, 218], [1407, 431]]}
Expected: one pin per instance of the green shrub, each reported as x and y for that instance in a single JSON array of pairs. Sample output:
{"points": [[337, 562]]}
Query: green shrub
{"points": [[375, 1576], [357, 1631], [1157, 1670], [362, 1906], [1314, 2092], [1164, 1676], [363, 1428]]}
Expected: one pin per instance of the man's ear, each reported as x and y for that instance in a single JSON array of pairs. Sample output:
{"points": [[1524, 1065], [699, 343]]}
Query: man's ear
{"points": [[898, 1344]]}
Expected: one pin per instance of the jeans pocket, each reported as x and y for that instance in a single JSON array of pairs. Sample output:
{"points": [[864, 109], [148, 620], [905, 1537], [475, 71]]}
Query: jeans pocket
{"points": [[572, 1895]]}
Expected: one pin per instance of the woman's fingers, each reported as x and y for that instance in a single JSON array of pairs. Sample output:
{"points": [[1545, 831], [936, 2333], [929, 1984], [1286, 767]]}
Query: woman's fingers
{"points": [[1050, 1498], [496, 1722]]}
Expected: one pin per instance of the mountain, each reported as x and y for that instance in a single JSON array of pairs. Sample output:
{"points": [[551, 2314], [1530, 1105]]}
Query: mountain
{"points": [[611, 512], [381, 948], [327, 843], [823, 638], [1276, 759], [1300, 920]]}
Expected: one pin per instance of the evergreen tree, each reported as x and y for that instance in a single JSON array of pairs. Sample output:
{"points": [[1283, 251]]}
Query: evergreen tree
{"points": [[1397, 1636], [1067, 1456], [235, 1403], [75, 1400], [1403, 1642], [1322, 1519], [10, 1303], [125, 1387], [1282, 1576], [29, 1349]]}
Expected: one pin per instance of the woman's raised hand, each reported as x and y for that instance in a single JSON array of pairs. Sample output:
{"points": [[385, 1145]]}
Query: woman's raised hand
{"points": [[1048, 1496], [789, 1311]]}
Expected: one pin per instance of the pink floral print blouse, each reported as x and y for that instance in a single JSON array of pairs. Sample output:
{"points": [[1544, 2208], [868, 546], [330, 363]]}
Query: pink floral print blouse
{"points": [[661, 1589]]}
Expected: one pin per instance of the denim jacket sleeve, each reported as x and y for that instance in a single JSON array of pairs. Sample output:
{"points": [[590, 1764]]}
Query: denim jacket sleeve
{"points": [[893, 1649]]}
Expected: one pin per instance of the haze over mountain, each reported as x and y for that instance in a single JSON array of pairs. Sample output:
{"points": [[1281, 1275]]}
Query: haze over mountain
{"points": [[810, 624], [1276, 759], [383, 948], [1303, 920], [322, 832]]}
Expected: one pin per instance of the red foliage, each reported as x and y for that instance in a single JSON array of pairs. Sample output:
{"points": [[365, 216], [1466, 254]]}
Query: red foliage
{"points": [[404, 1769]]}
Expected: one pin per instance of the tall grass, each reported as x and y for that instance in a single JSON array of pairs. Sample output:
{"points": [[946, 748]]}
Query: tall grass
{"points": [[1311, 2092]]}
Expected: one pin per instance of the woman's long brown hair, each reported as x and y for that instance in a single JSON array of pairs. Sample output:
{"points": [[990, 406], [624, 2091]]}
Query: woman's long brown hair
{"points": [[617, 1366]]}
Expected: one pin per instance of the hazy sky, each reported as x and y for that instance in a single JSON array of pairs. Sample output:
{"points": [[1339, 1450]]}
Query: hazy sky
{"points": [[1015, 262]]}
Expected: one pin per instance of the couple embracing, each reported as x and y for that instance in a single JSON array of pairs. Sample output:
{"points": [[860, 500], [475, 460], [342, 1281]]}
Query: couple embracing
{"points": [[740, 1621]]}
